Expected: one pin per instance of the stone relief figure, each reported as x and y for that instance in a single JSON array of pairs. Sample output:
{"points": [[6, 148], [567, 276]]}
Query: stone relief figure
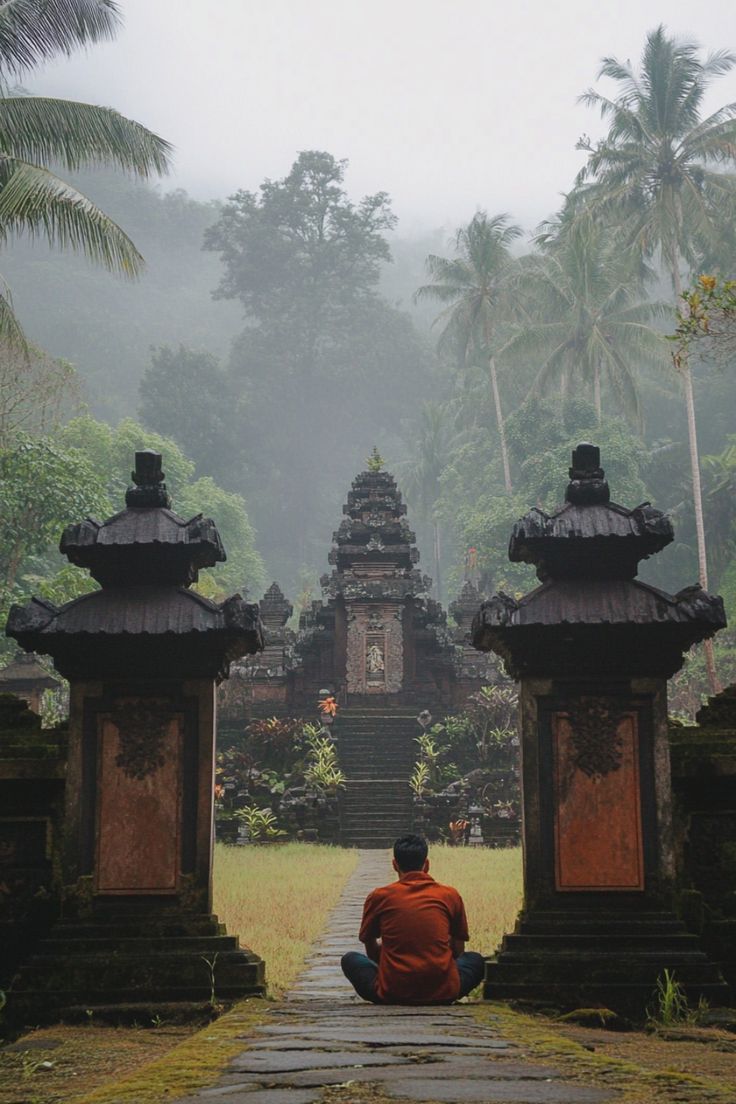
{"points": [[374, 660]]}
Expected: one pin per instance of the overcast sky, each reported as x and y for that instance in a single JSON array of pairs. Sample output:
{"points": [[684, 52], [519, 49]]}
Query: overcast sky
{"points": [[448, 105]]}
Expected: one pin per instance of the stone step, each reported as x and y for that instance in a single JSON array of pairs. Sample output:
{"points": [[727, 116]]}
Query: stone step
{"points": [[370, 756], [627, 998], [371, 752], [379, 771], [139, 945], [376, 808], [610, 923], [380, 780], [382, 775], [370, 743], [379, 822], [349, 815], [684, 942], [388, 784], [41, 1005], [146, 927], [601, 970], [105, 973], [367, 808]]}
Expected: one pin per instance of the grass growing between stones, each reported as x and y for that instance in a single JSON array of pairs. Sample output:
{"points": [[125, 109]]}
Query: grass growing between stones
{"points": [[277, 898], [489, 882], [197, 1061], [639, 1067]]}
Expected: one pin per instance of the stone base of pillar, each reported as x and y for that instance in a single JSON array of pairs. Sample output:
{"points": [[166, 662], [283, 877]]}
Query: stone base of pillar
{"points": [[554, 960], [133, 964]]}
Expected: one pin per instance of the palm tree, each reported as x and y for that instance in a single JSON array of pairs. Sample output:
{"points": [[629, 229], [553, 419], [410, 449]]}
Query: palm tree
{"points": [[431, 449], [37, 133], [584, 311], [471, 284], [660, 168]]}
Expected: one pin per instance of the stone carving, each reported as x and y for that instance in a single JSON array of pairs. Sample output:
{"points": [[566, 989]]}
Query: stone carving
{"points": [[142, 731], [355, 656], [374, 660], [595, 735], [394, 654]]}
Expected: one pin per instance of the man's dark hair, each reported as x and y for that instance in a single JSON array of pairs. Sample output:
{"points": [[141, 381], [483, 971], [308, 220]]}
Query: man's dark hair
{"points": [[410, 852]]}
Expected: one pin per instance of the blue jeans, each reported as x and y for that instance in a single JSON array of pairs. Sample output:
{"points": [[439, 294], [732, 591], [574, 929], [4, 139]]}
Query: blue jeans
{"points": [[362, 973]]}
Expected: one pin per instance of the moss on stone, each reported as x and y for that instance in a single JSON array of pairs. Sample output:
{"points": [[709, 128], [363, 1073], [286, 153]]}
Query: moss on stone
{"points": [[196, 1062], [636, 1084]]}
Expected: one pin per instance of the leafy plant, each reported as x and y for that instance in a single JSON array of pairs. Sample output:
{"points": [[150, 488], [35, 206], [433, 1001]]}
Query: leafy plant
{"points": [[261, 823], [322, 770], [274, 739], [419, 779]]}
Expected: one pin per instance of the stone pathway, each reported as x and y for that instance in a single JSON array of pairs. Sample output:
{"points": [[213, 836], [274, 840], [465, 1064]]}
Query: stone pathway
{"points": [[324, 1036]]}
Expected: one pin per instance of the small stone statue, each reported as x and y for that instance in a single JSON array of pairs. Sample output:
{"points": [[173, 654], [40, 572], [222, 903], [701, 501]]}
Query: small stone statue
{"points": [[374, 660]]}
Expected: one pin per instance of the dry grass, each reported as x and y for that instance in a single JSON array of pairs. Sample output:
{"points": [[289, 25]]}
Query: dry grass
{"points": [[489, 882], [277, 899]]}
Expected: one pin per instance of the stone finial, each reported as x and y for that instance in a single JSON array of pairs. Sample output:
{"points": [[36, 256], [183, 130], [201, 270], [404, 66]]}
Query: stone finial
{"points": [[587, 486], [375, 461], [148, 477]]}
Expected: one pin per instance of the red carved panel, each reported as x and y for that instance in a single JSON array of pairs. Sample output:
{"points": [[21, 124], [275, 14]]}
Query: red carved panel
{"points": [[139, 803], [598, 834]]}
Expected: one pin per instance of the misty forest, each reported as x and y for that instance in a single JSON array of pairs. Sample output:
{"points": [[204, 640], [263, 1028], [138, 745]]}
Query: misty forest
{"points": [[269, 340]]}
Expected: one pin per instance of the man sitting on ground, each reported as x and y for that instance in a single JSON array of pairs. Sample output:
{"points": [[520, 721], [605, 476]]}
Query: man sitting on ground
{"points": [[414, 932]]}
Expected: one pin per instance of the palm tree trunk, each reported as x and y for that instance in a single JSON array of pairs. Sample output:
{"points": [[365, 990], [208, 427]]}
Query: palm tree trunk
{"points": [[597, 389], [501, 426], [437, 557], [692, 432]]}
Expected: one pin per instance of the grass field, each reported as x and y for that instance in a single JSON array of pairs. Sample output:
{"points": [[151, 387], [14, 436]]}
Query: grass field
{"points": [[489, 882], [277, 899]]}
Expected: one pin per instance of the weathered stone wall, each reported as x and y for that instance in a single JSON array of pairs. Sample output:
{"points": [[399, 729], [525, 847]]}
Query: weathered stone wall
{"points": [[704, 784], [32, 770]]}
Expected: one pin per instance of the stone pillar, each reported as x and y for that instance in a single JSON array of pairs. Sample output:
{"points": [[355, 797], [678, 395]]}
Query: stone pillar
{"points": [[593, 648], [143, 655]]}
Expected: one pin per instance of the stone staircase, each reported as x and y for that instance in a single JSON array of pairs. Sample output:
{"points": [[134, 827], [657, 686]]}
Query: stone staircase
{"points": [[377, 752], [128, 962]]}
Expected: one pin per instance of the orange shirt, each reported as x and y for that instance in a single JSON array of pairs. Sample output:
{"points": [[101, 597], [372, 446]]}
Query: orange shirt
{"points": [[416, 918]]}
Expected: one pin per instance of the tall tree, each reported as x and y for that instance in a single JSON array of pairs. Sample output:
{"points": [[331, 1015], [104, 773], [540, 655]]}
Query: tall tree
{"points": [[421, 478], [300, 256], [660, 169], [470, 284], [37, 132], [326, 366], [207, 429], [585, 313]]}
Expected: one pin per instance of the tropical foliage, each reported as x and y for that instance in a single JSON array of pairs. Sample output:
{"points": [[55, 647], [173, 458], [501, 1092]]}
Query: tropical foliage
{"points": [[37, 134], [275, 392], [471, 288]]}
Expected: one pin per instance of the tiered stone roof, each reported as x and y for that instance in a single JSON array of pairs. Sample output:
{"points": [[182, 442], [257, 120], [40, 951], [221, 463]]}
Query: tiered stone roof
{"points": [[587, 556], [145, 559], [374, 551]]}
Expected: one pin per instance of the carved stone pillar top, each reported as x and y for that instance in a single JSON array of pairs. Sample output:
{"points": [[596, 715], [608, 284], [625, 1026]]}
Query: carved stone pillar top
{"points": [[591, 616], [144, 621]]}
